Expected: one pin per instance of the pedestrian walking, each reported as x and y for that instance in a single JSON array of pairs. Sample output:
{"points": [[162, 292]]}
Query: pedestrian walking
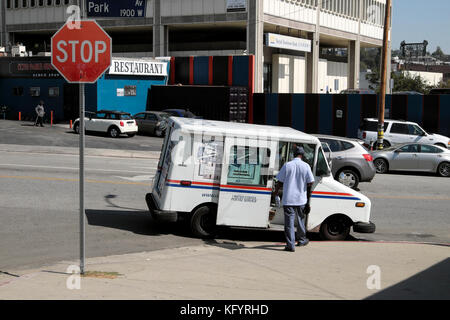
{"points": [[296, 180], [40, 112]]}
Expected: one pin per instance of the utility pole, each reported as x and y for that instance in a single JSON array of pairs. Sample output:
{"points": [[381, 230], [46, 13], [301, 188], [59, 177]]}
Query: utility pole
{"points": [[387, 20]]}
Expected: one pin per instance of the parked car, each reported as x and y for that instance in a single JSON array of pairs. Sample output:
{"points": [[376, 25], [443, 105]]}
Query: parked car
{"points": [[351, 162], [152, 122], [357, 91], [180, 113], [413, 157], [398, 132], [114, 123], [408, 93]]}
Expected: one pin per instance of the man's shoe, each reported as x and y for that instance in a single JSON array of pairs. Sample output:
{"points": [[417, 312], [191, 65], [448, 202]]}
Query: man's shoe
{"points": [[303, 244], [289, 249]]}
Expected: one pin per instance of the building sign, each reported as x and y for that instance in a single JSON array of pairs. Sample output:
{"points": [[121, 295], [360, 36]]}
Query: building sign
{"points": [[138, 67], [115, 8], [286, 42], [236, 5], [38, 69]]}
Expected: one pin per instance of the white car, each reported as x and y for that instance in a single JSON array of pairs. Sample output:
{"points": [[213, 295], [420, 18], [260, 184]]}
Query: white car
{"points": [[398, 132], [114, 123]]}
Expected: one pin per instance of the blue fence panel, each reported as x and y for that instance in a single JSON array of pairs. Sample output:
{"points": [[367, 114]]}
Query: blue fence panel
{"points": [[353, 115], [272, 109], [444, 115], [201, 70], [415, 108], [326, 114], [240, 70], [298, 111]]}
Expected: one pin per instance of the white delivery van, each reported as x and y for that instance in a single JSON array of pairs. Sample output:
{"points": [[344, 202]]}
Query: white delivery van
{"points": [[215, 173]]}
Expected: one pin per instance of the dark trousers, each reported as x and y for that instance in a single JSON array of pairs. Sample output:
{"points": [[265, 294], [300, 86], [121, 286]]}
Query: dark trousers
{"points": [[40, 121], [291, 215]]}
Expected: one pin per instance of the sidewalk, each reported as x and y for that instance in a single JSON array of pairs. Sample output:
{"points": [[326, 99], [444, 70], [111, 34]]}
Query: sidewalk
{"points": [[249, 270], [76, 151]]}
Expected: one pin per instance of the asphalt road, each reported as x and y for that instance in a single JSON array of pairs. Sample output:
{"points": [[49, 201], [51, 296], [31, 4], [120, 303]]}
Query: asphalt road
{"points": [[25, 133], [40, 216]]}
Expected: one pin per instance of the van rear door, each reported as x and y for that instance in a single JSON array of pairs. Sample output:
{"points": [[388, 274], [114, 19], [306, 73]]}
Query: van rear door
{"points": [[246, 183]]}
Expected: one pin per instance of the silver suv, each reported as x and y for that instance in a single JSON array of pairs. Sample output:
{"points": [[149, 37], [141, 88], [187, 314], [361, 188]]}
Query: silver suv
{"points": [[351, 162]]}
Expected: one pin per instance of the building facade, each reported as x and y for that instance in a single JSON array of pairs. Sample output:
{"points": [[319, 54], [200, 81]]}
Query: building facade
{"points": [[285, 36]]}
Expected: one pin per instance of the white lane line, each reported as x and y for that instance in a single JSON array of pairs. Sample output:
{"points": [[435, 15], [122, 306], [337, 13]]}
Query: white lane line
{"points": [[64, 168], [87, 156], [138, 178]]}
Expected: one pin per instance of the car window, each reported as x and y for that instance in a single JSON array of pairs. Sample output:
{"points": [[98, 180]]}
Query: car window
{"points": [[430, 149], [164, 115], [335, 145], [414, 130], [412, 148], [125, 116], [399, 128], [101, 115], [346, 145], [140, 116], [152, 117], [368, 125]]}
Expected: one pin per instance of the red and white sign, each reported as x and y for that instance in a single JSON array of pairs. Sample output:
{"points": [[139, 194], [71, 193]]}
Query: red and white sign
{"points": [[82, 54]]}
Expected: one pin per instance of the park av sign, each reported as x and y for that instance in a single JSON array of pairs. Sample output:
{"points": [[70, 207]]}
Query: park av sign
{"points": [[81, 54]]}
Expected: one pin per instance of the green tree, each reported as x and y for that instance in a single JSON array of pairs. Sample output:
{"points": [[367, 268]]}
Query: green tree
{"points": [[408, 82], [439, 54]]}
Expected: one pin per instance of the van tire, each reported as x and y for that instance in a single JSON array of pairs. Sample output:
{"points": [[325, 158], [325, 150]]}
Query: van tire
{"points": [[76, 128], [335, 228], [203, 222]]}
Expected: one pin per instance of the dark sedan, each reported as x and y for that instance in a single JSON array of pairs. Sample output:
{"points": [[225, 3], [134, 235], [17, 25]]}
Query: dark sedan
{"points": [[152, 122]]}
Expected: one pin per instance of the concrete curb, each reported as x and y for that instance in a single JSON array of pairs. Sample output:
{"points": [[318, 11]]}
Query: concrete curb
{"points": [[75, 151]]}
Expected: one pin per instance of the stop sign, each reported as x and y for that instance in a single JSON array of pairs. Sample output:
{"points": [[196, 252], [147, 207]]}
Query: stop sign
{"points": [[81, 55]]}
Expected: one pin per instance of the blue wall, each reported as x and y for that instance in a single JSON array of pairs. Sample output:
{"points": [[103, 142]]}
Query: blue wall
{"points": [[107, 92], [26, 103]]}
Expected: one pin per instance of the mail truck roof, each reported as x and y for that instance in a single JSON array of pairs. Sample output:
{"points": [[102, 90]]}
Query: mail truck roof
{"points": [[237, 129]]}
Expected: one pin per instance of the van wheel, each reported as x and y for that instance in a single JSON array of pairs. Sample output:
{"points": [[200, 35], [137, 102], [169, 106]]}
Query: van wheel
{"points": [[203, 222], [335, 228], [348, 177]]}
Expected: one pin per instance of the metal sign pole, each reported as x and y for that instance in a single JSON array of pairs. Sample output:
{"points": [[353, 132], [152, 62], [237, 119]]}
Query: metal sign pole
{"points": [[82, 142]]}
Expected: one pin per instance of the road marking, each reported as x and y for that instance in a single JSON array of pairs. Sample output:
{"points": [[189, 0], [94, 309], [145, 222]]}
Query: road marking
{"points": [[73, 180], [407, 197], [64, 168], [137, 178]]}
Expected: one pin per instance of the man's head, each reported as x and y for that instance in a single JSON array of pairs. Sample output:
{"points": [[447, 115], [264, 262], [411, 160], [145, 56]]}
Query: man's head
{"points": [[298, 151], [42, 102]]}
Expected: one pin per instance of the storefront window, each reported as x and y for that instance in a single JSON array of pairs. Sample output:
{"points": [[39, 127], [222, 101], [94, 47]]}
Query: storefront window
{"points": [[267, 74], [53, 92], [35, 91], [18, 91]]}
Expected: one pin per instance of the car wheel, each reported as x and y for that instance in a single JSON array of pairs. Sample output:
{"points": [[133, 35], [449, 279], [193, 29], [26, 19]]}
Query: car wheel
{"points": [[131, 135], [444, 169], [113, 132], [335, 228], [386, 144], [203, 222], [381, 165], [348, 178], [76, 128], [441, 145]]}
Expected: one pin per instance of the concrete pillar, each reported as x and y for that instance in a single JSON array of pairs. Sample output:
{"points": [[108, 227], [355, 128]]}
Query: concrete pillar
{"points": [[160, 33], [255, 39], [312, 64], [354, 50], [3, 34]]}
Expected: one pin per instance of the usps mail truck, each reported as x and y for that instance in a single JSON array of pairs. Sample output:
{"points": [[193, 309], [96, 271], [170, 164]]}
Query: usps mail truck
{"points": [[214, 173]]}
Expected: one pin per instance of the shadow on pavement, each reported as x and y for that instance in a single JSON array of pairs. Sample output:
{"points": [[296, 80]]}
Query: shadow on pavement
{"points": [[138, 222], [430, 284]]}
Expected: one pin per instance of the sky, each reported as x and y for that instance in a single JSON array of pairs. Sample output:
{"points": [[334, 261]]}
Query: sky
{"points": [[418, 20]]}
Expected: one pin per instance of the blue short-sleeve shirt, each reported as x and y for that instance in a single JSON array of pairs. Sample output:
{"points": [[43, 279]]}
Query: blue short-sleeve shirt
{"points": [[295, 175]]}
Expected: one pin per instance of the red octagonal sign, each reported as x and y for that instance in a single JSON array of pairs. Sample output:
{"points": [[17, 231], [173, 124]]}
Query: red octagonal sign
{"points": [[81, 55]]}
